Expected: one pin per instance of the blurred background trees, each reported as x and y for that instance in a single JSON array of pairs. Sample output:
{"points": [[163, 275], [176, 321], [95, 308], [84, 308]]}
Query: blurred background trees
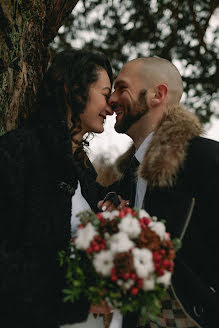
{"points": [[182, 31]]}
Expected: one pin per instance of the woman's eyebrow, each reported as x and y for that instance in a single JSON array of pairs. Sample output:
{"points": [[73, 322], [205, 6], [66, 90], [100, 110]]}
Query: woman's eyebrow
{"points": [[107, 89]]}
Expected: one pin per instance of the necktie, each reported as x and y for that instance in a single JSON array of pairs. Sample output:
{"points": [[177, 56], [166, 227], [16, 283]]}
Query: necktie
{"points": [[134, 164]]}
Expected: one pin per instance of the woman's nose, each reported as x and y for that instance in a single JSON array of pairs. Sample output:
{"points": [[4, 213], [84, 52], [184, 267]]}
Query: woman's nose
{"points": [[109, 110], [113, 100]]}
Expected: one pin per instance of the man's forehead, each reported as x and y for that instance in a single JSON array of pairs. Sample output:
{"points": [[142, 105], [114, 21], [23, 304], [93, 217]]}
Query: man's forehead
{"points": [[128, 73]]}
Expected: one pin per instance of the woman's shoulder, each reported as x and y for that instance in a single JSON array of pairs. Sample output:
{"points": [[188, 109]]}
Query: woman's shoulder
{"points": [[16, 138], [17, 145]]}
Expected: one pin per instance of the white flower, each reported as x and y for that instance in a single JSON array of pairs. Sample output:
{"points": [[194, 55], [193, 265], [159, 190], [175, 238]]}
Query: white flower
{"points": [[110, 215], [130, 226], [143, 262], [159, 228], [85, 236], [148, 283], [165, 279], [128, 284], [106, 235], [119, 282], [120, 242], [103, 262], [143, 213], [125, 284]]}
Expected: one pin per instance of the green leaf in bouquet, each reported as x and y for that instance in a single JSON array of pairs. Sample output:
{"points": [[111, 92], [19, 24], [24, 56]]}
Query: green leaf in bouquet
{"points": [[128, 307], [86, 216], [93, 289], [136, 209], [62, 257], [177, 243], [79, 271], [143, 311], [77, 283], [70, 295], [95, 222]]}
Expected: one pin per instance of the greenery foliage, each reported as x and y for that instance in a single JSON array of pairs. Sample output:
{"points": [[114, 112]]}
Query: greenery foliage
{"points": [[182, 31]]}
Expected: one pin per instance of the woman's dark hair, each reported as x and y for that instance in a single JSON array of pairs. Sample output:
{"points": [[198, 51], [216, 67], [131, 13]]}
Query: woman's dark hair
{"points": [[67, 82]]}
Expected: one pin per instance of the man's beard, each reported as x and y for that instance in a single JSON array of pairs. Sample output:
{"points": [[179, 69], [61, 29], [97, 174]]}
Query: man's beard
{"points": [[139, 109]]}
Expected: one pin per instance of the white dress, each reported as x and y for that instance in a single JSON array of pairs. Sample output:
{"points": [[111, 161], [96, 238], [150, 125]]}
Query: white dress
{"points": [[79, 204]]}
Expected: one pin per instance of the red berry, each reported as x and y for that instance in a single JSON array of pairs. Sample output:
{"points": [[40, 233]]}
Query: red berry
{"points": [[80, 226], [160, 272], [89, 250], [147, 221], [134, 213], [127, 210], [133, 276], [162, 252], [100, 216], [166, 263], [156, 257], [126, 276], [96, 248], [134, 291], [121, 214], [114, 277], [171, 266], [140, 282], [113, 271], [157, 266]]}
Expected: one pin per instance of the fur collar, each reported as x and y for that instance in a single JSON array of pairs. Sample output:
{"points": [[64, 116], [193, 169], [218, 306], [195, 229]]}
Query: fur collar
{"points": [[167, 149]]}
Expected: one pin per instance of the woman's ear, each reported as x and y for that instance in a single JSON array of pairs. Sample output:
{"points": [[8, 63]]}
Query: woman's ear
{"points": [[159, 94]]}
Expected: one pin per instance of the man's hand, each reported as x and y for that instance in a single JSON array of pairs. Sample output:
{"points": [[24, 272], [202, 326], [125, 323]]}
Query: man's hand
{"points": [[111, 202]]}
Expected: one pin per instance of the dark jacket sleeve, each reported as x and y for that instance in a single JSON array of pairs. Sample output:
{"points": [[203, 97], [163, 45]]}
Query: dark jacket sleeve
{"points": [[92, 191]]}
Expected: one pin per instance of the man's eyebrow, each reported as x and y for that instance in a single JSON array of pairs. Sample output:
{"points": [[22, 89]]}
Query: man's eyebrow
{"points": [[117, 83]]}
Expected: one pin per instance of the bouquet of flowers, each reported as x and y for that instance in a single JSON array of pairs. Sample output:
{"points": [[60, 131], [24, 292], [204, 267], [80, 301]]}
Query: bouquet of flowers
{"points": [[123, 257]]}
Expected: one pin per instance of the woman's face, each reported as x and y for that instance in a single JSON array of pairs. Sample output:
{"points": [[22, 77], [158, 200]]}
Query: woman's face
{"points": [[97, 108]]}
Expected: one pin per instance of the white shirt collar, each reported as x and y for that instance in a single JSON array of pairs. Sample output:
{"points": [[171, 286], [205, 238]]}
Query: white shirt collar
{"points": [[139, 154]]}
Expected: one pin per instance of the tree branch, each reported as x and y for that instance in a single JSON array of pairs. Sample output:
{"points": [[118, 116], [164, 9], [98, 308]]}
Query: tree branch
{"points": [[196, 26]]}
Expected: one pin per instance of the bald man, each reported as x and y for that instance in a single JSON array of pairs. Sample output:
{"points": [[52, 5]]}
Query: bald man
{"points": [[173, 173]]}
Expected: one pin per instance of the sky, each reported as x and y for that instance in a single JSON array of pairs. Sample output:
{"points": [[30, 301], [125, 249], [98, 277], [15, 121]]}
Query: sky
{"points": [[111, 144]]}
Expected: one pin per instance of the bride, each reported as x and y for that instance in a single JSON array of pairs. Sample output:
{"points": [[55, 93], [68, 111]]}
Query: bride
{"points": [[91, 119], [39, 185]]}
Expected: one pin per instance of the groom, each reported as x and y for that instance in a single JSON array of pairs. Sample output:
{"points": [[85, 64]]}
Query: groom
{"points": [[177, 180]]}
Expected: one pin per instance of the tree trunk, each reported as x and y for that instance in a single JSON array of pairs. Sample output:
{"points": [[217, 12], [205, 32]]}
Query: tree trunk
{"points": [[26, 29]]}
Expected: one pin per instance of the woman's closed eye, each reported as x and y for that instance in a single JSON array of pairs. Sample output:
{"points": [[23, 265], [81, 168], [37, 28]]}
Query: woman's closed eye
{"points": [[107, 96]]}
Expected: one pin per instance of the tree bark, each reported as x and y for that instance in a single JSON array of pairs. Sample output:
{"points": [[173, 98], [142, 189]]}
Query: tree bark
{"points": [[26, 29]]}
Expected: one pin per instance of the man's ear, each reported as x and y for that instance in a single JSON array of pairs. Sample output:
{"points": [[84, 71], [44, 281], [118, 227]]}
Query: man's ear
{"points": [[159, 95]]}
